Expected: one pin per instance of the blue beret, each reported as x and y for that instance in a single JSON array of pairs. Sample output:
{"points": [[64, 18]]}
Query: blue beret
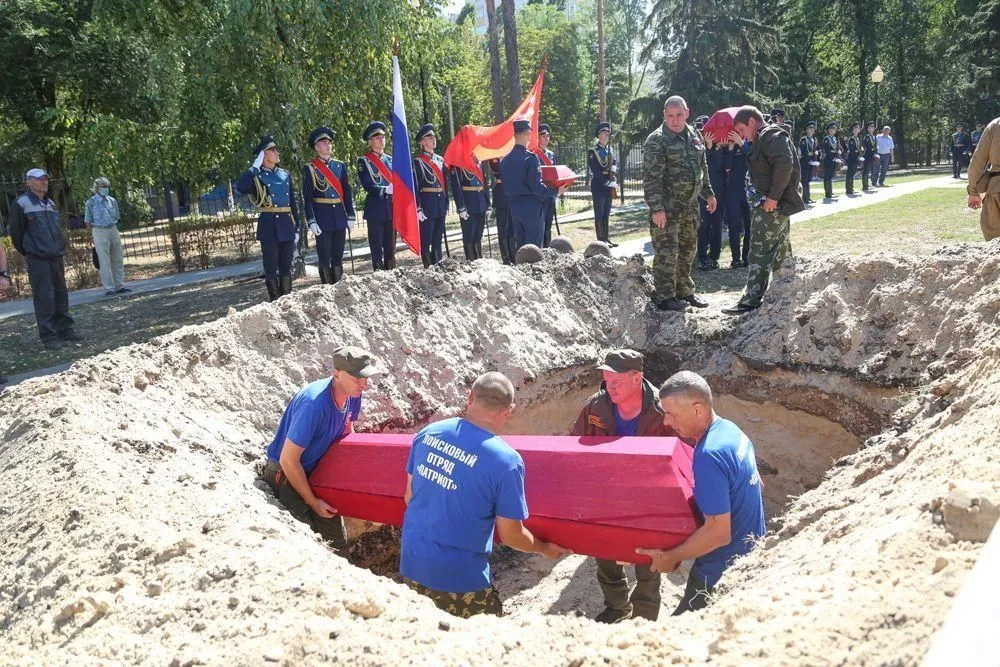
{"points": [[601, 127], [522, 125], [320, 133], [425, 131], [543, 128], [267, 141], [375, 127]]}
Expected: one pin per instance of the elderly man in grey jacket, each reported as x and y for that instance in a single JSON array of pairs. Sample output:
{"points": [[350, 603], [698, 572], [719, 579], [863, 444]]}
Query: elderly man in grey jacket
{"points": [[101, 216]]}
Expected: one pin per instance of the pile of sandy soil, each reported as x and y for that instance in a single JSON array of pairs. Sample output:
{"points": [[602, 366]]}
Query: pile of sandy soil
{"points": [[134, 532]]}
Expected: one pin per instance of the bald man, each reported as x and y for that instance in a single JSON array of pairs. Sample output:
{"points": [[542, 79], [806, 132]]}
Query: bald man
{"points": [[463, 481]]}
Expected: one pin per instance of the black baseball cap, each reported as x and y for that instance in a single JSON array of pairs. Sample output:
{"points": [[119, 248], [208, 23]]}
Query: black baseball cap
{"points": [[355, 361]]}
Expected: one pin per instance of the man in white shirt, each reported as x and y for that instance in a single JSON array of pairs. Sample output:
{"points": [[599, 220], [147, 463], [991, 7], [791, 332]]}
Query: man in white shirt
{"points": [[886, 147]]}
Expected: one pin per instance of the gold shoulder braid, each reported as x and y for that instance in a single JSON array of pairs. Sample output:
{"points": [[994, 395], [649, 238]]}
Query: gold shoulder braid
{"points": [[372, 170], [319, 181], [261, 197]]}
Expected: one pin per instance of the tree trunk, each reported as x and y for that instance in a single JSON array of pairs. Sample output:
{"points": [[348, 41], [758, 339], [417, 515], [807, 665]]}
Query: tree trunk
{"points": [[510, 47], [862, 88], [601, 93], [496, 79]]}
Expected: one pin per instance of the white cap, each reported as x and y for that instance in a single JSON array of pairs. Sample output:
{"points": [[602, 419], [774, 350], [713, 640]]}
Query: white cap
{"points": [[36, 173]]}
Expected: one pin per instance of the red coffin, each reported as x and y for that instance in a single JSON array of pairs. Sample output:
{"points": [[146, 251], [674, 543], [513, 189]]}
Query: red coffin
{"points": [[599, 496], [720, 124], [556, 176]]}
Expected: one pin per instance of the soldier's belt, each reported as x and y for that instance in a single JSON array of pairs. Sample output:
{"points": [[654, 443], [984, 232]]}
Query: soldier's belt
{"points": [[472, 188], [431, 189], [275, 209], [498, 180], [327, 200]]}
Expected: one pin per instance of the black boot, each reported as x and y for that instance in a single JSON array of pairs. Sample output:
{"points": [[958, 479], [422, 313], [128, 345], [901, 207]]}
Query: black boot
{"points": [[479, 249], [272, 289], [426, 259], [470, 251], [377, 265], [285, 283], [336, 273], [322, 275]]}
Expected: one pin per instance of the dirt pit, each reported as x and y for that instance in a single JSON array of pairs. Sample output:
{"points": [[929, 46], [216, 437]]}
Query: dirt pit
{"points": [[134, 532]]}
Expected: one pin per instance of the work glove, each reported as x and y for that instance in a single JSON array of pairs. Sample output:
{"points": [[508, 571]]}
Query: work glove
{"points": [[315, 228], [464, 215], [259, 160], [352, 222], [420, 215], [388, 189]]}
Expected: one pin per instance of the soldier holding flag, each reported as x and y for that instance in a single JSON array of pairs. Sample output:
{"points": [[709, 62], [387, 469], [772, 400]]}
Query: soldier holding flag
{"points": [[329, 205]]}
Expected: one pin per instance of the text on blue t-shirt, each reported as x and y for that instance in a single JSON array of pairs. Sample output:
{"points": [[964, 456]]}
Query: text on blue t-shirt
{"points": [[313, 421]]}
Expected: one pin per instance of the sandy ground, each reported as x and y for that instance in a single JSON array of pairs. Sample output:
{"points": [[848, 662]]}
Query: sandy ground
{"points": [[134, 533]]}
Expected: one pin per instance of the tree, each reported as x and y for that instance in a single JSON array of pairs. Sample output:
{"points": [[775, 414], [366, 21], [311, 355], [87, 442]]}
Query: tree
{"points": [[496, 78], [510, 48]]}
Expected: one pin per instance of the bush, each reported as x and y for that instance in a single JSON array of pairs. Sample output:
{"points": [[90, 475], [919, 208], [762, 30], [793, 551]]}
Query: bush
{"points": [[196, 236], [79, 260], [134, 209]]}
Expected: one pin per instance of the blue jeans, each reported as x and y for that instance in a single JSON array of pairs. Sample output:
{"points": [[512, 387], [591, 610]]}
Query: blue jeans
{"points": [[883, 168]]}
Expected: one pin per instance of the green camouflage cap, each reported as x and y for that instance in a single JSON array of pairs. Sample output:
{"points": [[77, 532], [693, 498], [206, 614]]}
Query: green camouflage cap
{"points": [[355, 361], [622, 361]]}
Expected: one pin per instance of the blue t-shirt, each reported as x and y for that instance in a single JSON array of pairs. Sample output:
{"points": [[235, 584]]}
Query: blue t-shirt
{"points": [[626, 426], [463, 479], [313, 421], [726, 481]]}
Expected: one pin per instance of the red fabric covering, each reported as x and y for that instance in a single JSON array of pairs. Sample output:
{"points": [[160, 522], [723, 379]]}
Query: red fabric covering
{"points": [[599, 497], [720, 124], [556, 176]]}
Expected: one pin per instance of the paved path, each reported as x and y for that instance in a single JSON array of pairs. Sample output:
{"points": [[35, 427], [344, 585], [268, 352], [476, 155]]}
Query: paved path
{"points": [[644, 246]]}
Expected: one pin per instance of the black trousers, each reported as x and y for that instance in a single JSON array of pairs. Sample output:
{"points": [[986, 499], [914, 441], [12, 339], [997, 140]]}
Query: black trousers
{"points": [[696, 595], [829, 169], [277, 258], [472, 229], [738, 221], [550, 216], [382, 243], [867, 170], [47, 277], [602, 217], [956, 165], [330, 248], [710, 231], [852, 169], [505, 235], [807, 171], [431, 238]]}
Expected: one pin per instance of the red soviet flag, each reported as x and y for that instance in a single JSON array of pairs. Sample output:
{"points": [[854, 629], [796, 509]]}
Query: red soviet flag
{"points": [[489, 143]]}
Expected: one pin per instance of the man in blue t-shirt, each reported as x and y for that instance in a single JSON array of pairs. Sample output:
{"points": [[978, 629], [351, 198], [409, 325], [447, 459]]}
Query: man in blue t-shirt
{"points": [[321, 413], [727, 489], [462, 482]]}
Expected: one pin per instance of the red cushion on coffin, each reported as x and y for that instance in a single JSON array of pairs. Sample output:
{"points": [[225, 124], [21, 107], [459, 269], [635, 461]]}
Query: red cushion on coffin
{"points": [[597, 496], [558, 175]]}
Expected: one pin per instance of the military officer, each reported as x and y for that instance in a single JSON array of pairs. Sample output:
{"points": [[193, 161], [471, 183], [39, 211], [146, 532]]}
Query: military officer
{"points": [[674, 176], [501, 213], [526, 194], [603, 188], [807, 155], [869, 153], [710, 228], [831, 158], [547, 159], [853, 155], [778, 118], [977, 135], [432, 195], [375, 174], [472, 199], [961, 145], [329, 204], [270, 190]]}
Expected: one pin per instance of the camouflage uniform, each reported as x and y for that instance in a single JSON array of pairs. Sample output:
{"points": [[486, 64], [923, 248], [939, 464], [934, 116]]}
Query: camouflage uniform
{"points": [[463, 605], [674, 175]]}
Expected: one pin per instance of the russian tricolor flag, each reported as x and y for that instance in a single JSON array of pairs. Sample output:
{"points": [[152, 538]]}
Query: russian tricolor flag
{"points": [[404, 201]]}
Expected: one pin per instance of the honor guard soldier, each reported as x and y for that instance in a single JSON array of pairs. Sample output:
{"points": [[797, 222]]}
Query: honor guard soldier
{"points": [[375, 174], [329, 204], [546, 158], [831, 158], [961, 145], [501, 213], [869, 153], [976, 135], [472, 199], [853, 155], [270, 190], [778, 118], [807, 155], [601, 163], [432, 195], [526, 194]]}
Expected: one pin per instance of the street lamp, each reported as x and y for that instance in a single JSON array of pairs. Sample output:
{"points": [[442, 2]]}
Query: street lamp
{"points": [[877, 76]]}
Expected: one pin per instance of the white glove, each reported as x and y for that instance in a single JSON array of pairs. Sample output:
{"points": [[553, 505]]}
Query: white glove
{"points": [[388, 189], [315, 228], [861, 159], [352, 222], [464, 215], [612, 184], [420, 215], [259, 160], [296, 238], [838, 160], [614, 169], [814, 163]]}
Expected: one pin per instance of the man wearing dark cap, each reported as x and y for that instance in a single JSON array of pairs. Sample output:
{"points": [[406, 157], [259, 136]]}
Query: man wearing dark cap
{"points": [[501, 213], [318, 416], [869, 155], [807, 155], [36, 234], [472, 199], [375, 174], [329, 204], [603, 188], [546, 158], [778, 118], [432, 195], [853, 144], [526, 194], [270, 190], [831, 159], [960, 148], [625, 405]]}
